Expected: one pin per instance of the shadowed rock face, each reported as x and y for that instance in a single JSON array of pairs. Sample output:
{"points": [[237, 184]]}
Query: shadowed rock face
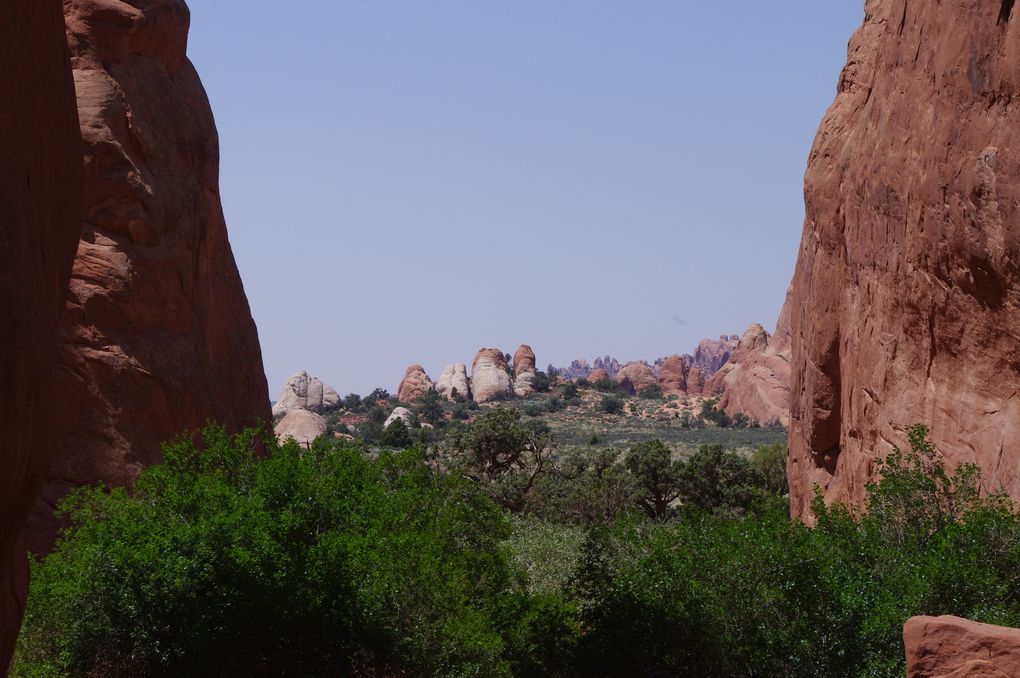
{"points": [[952, 647], [905, 297], [157, 336], [40, 176]]}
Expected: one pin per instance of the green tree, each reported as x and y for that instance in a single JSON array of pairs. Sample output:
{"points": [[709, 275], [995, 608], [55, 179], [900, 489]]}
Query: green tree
{"points": [[714, 479], [656, 477], [611, 405], [396, 435], [770, 460]]}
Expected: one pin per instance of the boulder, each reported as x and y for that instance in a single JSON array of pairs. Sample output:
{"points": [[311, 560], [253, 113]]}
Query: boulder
{"points": [[305, 392], [490, 379], [598, 374], [454, 377], [401, 413], [301, 425], [40, 214], [673, 375], [524, 371], [952, 647], [414, 385], [157, 337], [635, 377], [904, 303]]}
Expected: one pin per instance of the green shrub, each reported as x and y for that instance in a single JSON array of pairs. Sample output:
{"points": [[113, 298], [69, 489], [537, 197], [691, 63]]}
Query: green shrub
{"points": [[652, 392], [320, 562], [611, 405], [770, 460]]}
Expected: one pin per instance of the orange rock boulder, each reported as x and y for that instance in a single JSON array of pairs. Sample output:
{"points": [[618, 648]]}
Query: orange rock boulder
{"points": [[524, 371], [490, 377], [951, 647], [415, 384], [673, 375], [635, 377]]}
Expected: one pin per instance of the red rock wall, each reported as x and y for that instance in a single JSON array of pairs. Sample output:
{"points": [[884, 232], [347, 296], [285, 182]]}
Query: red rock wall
{"points": [[157, 336], [905, 297], [40, 177]]}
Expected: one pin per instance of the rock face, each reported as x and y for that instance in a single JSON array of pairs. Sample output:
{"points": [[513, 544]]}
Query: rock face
{"points": [[695, 381], [454, 377], [907, 268], [945, 647], [301, 425], [635, 377], [673, 375], [598, 374], [305, 392], [489, 377], [156, 337], [401, 413], [414, 385], [712, 354], [756, 380], [524, 371], [40, 175]]}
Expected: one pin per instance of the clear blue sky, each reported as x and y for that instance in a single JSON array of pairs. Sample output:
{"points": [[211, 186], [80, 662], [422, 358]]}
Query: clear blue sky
{"points": [[407, 181]]}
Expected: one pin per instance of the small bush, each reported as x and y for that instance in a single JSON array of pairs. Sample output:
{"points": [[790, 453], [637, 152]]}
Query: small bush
{"points": [[653, 392], [611, 405]]}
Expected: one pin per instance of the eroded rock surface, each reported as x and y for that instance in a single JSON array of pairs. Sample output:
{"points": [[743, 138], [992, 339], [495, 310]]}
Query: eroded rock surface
{"points": [[905, 303], [453, 383], [490, 379], [756, 379], [40, 181], [712, 354], [303, 426], [302, 391], [415, 384], [952, 647], [157, 337], [524, 371], [635, 377], [673, 375]]}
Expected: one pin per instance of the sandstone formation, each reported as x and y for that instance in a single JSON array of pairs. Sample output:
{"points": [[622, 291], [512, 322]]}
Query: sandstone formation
{"points": [[635, 377], [305, 392], [524, 371], [945, 647], [598, 374], [453, 383], [695, 381], [489, 377], [414, 385], [673, 375], [905, 306], [712, 354], [756, 380], [156, 337], [401, 413], [40, 179], [301, 425]]}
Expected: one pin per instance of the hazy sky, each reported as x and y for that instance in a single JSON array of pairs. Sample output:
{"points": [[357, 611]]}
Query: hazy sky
{"points": [[406, 182]]}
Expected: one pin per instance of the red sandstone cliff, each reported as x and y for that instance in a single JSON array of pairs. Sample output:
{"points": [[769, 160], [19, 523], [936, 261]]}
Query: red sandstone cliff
{"points": [[952, 647], [905, 298], [157, 336], [40, 176]]}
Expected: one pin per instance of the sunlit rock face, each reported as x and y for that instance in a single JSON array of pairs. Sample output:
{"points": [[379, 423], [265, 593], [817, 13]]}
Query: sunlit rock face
{"points": [[157, 337], [905, 297]]}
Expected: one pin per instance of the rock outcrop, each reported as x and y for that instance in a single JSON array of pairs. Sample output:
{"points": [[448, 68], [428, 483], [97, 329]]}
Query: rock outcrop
{"points": [[756, 380], [40, 180], [695, 381], [401, 413], [524, 371], [635, 377], [453, 383], [156, 337], [302, 391], [952, 647], [301, 425], [490, 379], [598, 374], [712, 354], [415, 384], [905, 306], [673, 375]]}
